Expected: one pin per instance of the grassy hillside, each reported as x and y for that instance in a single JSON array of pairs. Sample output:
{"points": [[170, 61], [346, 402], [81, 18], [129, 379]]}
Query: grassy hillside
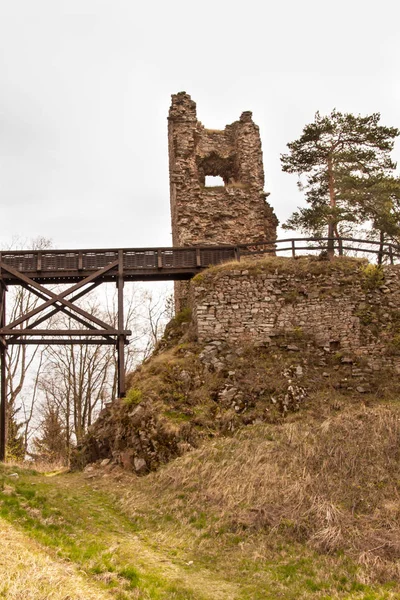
{"points": [[28, 572], [187, 393], [231, 473], [302, 509]]}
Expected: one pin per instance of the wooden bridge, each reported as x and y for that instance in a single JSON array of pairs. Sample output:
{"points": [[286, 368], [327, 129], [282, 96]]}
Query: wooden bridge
{"points": [[136, 264], [155, 264], [84, 270]]}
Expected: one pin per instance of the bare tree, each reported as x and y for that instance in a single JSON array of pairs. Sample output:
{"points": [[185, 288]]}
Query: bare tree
{"points": [[75, 381], [51, 444], [78, 380], [20, 358], [157, 312]]}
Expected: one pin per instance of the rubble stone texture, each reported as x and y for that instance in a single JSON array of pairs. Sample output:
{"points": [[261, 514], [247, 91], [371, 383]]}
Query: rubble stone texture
{"points": [[335, 310], [233, 213]]}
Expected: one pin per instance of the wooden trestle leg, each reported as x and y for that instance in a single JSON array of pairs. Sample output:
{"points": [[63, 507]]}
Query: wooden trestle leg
{"points": [[121, 336], [24, 331], [3, 388], [3, 404]]}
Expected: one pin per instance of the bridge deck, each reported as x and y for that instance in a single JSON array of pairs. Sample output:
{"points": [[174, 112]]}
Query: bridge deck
{"points": [[155, 264], [139, 264]]}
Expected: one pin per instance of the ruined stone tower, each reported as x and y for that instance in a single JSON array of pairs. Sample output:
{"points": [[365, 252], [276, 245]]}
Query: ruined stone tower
{"points": [[233, 213]]}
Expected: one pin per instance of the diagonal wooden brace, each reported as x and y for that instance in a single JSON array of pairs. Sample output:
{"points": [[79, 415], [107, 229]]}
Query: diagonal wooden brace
{"points": [[56, 310], [54, 298]]}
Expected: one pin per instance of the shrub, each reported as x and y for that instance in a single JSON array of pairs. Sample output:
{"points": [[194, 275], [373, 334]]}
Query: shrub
{"points": [[394, 345], [183, 316], [134, 396], [373, 276]]}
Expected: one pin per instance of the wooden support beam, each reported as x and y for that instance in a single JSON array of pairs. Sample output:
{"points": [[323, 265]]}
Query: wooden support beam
{"points": [[121, 334], [64, 332], [54, 298], [58, 309], [198, 257], [3, 404], [63, 342], [3, 386]]}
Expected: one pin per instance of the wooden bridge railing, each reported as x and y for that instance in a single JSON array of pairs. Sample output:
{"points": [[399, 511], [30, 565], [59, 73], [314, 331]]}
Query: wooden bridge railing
{"points": [[341, 246], [170, 263], [44, 264]]}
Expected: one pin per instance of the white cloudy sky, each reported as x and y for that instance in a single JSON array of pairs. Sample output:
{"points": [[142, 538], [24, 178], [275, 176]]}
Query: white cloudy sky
{"points": [[85, 89]]}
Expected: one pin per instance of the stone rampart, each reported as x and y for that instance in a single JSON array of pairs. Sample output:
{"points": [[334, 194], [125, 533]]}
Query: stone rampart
{"points": [[345, 306]]}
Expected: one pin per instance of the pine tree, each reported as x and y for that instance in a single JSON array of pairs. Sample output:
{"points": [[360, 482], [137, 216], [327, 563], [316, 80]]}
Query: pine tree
{"points": [[378, 201], [15, 449], [52, 444], [341, 157]]}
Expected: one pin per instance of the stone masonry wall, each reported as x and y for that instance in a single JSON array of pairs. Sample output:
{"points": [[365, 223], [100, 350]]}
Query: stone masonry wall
{"points": [[230, 214], [354, 310], [236, 212]]}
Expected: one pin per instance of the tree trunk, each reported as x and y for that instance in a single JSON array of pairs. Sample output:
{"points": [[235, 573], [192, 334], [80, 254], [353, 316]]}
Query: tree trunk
{"points": [[332, 204], [381, 242]]}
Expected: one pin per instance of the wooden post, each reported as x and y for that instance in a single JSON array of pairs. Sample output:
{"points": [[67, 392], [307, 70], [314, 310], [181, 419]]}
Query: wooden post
{"points": [[121, 336], [391, 254], [293, 249], [3, 404], [3, 387]]}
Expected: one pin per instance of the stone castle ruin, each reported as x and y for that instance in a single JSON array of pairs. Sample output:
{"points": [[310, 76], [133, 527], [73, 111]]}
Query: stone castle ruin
{"points": [[233, 213]]}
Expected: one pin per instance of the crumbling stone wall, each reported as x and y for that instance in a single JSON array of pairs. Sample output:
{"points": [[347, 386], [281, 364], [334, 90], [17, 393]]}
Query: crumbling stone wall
{"points": [[236, 212], [340, 311]]}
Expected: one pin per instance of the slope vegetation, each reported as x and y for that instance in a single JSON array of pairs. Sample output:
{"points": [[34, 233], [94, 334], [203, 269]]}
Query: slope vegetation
{"points": [[307, 508], [231, 473]]}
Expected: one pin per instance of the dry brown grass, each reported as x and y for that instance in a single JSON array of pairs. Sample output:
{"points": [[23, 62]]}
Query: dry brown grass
{"points": [[27, 573], [41, 466], [301, 266], [334, 485]]}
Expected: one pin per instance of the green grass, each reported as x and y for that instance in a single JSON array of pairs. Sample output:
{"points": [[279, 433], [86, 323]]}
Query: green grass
{"points": [[133, 397], [166, 549], [82, 526]]}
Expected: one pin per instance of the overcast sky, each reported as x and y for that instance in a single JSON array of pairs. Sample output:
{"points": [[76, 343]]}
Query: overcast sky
{"points": [[85, 89]]}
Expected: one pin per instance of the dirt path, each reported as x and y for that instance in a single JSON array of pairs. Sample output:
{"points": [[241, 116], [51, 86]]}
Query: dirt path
{"points": [[204, 583]]}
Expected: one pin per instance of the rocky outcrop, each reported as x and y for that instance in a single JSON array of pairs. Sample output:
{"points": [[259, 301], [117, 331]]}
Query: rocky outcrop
{"points": [[136, 437], [274, 337], [192, 392]]}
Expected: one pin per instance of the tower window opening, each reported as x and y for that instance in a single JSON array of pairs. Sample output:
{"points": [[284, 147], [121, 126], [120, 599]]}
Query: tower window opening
{"points": [[214, 181]]}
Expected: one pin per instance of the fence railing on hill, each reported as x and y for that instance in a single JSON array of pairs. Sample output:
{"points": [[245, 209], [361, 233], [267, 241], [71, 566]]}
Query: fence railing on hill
{"points": [[341, 246], [48, 266]]}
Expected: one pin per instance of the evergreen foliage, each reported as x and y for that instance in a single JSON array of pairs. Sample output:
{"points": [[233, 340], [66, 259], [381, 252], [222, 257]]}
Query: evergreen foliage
{"points": [[52, 444], [345, 169], [15, 448]]}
